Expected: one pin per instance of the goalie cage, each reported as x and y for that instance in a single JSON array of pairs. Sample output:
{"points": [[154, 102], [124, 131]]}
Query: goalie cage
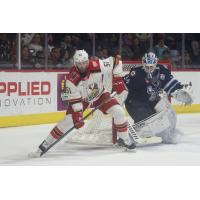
{"points": [[99, 129]]}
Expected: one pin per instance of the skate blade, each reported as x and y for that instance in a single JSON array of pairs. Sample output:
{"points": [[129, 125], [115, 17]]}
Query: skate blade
{"points": [[125, 149], [129, 150]]}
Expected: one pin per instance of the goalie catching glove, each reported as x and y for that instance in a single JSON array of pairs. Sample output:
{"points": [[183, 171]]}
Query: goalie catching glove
{"points": [[184, 96]]}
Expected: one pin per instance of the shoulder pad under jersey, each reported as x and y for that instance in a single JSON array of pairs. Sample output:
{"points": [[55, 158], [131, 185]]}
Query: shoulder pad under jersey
{"points": [[163, 68], [74, 75], [136, 70], [94, 66]]}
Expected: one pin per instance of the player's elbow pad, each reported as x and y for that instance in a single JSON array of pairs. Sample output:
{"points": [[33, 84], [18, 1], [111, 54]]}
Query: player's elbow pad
{"points": [[184, 96]]}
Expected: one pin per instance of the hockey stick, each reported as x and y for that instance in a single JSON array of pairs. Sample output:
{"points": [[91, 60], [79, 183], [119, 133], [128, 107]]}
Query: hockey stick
{"points": [[141, 140], [133, 134], [136, 137], [72, 128], [114, 132]]}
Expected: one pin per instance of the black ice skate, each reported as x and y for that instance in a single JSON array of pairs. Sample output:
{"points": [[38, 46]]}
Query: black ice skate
{"points": [[127, 147], [42, 148]]}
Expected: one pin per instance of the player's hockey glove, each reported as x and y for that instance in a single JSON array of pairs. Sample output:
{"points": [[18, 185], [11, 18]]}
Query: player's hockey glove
{"points": [[78, 119], [120, 89], [118, 85]]}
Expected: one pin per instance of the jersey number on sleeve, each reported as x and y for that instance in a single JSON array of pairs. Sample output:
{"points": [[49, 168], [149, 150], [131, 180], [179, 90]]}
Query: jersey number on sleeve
{"points": [[68, 90], [106, 64]]}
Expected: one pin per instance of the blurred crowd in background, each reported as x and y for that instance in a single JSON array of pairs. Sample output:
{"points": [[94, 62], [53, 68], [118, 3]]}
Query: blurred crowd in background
{"points": [[56, 50]]}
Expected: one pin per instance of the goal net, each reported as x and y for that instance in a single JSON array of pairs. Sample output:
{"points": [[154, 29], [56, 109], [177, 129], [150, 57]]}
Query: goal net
{"points": [[97, 130]]}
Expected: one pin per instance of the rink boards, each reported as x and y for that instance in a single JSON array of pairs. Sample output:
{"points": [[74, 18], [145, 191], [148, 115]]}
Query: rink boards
{"points": [[30, 97]]}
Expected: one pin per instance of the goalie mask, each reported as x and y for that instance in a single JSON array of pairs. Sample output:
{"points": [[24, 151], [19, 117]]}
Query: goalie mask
{"points": [[149, 62], [81, 60]]}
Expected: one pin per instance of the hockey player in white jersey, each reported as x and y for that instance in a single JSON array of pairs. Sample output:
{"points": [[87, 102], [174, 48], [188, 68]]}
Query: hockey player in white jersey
{"points": [[84, 89], [153, 113]]}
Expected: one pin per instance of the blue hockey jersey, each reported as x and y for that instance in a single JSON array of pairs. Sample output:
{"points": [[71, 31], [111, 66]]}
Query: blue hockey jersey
{"points": [[144, 88]]}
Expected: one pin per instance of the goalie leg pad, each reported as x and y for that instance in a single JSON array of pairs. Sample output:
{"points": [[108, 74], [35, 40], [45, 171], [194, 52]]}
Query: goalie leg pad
{"points": [[171, 136], [158, 124]]}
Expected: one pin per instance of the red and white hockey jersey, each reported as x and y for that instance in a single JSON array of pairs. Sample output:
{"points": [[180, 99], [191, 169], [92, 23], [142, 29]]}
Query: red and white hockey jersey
{"points": [[98, 79]]}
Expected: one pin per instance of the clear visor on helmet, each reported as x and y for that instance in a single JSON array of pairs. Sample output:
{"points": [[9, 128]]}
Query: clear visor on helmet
{"points": [[82, 65]]}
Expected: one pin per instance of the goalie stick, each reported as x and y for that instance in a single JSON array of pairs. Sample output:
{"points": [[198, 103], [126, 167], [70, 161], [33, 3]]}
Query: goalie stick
{"points": [[72, 128], [133, 134], [140, 140]]}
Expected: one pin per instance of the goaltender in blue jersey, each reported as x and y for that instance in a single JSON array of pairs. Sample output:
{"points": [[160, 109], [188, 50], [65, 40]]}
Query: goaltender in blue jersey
{"points": [[149, 87]]}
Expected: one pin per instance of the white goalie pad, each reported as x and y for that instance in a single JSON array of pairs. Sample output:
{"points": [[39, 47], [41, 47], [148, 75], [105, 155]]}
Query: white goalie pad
{"points": [[163, 120], [153, 125]]}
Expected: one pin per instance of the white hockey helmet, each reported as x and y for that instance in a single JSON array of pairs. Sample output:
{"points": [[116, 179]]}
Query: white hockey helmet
{"points": [[149, 61], [81, 60]]}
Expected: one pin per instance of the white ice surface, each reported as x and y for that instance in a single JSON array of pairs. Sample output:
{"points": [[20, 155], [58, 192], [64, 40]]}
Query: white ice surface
{"points": [[17, 142]]}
